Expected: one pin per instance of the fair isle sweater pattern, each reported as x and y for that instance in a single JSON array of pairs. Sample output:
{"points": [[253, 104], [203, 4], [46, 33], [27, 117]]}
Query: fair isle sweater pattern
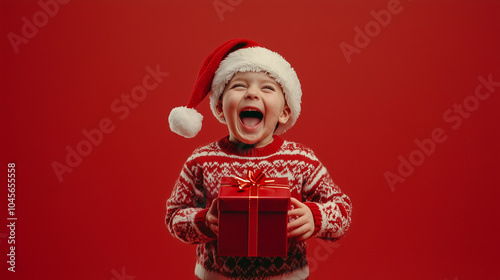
{"points": [[199, 182]]}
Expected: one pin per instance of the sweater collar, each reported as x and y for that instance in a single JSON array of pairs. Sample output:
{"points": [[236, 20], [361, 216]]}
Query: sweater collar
{"points": [[247, 150]]}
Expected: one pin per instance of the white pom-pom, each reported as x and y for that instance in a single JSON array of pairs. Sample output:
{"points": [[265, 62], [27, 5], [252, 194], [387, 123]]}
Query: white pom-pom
{"points": [[185, 121]]}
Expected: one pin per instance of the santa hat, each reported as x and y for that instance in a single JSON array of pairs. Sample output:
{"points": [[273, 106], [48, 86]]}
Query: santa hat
{"points": [[237, 55]]}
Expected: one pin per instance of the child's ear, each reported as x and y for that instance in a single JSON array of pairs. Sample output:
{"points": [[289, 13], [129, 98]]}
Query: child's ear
{"points": [[285, 115], [220, 112]]}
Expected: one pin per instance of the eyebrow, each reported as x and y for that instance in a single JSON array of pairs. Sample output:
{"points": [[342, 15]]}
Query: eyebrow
{"points": [[262, 80]]}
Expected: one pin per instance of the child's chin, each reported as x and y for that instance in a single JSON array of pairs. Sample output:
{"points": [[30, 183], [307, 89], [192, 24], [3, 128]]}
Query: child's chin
{"points": [[256, 137], [256, 142], [248, 140]]}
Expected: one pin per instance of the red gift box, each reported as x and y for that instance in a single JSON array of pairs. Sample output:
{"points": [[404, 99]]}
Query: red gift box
{"points": [[253, 216]]}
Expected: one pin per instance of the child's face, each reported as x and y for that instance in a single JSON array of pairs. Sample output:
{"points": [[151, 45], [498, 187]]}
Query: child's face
{"points": [[252, 104]]}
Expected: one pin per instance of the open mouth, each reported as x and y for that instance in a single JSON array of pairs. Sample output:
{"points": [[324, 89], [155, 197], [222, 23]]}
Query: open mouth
{"points": [[251, 117]]}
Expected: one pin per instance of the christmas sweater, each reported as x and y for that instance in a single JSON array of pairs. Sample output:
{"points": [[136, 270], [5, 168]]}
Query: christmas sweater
{"points": [[199, 182]]}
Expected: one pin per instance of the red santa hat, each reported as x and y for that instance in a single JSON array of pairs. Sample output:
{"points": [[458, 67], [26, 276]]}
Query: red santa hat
{"points": [[237, 55]]}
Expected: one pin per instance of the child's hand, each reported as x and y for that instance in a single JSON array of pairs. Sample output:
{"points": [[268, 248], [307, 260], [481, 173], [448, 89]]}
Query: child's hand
{"points": [[303, 226], [212, 217]]}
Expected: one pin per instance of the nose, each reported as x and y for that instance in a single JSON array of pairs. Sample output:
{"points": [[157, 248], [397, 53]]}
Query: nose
{"points": [[252, 94]]}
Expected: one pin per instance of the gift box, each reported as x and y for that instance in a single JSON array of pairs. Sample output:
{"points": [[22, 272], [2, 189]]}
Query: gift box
{"points": [[253, 216]]}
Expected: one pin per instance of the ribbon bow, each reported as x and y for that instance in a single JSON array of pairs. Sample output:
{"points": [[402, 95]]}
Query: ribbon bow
{"points": [[257, 179]]}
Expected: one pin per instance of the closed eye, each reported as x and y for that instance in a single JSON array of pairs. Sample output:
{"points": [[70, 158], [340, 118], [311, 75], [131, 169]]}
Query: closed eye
{"points": [[271, 88], [237, 85]]}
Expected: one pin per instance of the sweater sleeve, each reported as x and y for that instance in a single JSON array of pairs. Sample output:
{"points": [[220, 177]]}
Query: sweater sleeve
{"points": [[331, 208], [187, 207]]}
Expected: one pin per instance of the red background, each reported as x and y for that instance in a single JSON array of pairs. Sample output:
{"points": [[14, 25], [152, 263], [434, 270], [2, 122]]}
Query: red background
{"points": [[105, 219]]}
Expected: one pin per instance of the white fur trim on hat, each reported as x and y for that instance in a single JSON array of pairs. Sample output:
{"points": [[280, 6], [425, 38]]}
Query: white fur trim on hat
{"points": [[185, 121], [258, 59]]}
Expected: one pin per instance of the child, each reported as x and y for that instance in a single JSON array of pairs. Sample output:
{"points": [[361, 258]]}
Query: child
{"points": [[257, 94]]}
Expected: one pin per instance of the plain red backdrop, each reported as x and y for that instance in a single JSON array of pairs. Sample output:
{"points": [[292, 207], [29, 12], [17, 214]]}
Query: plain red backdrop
{"points": [[105, 219]]}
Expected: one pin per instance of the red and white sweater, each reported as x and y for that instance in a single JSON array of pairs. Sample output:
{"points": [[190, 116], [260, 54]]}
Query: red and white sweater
{"points": [[199, 183]]}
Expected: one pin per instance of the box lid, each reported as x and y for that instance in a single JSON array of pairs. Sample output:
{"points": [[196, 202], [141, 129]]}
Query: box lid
{"points": [[271, 199]]}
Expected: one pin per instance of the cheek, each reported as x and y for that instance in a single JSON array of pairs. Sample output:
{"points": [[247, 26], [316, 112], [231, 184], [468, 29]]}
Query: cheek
{"points": [[229, 105], [276, 105]]}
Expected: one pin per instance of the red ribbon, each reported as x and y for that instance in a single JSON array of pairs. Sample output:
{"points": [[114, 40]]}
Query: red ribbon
{"points": [[253, 182], [257, 180]]}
